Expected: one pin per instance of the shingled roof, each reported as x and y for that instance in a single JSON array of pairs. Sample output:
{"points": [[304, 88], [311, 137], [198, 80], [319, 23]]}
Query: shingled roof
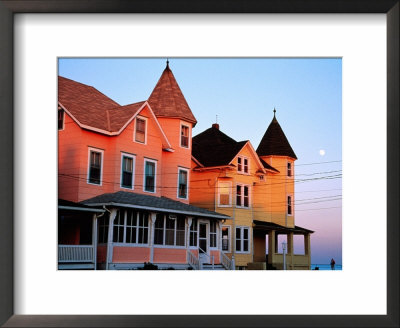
{"points": [[148, 202], [92, 108], [214, 148], [274, 142], [167, 99]]}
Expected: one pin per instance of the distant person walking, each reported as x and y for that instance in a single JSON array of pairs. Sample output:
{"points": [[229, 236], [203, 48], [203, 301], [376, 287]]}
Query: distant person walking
{"points": [[333, 264]]}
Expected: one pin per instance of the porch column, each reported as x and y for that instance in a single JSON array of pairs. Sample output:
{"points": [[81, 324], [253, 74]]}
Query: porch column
{"points": [[307, 248], [290, 248], [271, 246], [153, 218], [276, 243], [113, 214], [188, 224], [94, 240], [219, 236]]}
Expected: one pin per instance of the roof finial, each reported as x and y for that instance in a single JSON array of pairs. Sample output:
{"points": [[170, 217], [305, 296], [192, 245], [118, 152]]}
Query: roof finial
{"points": [[216, 119], [274, 112], [167, 63]]}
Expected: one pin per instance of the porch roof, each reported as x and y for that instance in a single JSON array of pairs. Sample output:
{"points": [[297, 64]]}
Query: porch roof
{"points": [[151, 203], [268, 226], [72, 206]]}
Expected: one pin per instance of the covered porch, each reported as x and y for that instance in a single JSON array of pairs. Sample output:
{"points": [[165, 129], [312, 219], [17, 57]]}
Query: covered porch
{"points": [[267, 252], [77, 236]]}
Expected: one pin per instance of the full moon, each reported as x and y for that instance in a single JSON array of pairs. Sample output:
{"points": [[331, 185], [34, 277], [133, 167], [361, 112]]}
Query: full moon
{"points": [[322, 152]]}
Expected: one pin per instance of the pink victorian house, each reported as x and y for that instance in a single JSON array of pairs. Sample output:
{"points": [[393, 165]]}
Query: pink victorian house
{"points": [[123, 183]]}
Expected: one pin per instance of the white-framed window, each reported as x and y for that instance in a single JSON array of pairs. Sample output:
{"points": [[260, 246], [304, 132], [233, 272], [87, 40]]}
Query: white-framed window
{"points": [[193, 233], [226, 238], [95, 166], [149, 177], [60, 118], [224, 194], [289, 205], [289, 169], [183, 181], [213, 234], [242, 196], [140, 129], [243, 164], [185, 134], [169, 230], [242, 239], [131, 227], [127, 171]]}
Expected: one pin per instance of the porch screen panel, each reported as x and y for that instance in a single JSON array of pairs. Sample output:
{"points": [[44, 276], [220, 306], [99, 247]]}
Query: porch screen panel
{"points": [[170, 231], [159, 230], [103, 229], [193, 233], [180, 231], [143, 228], [131, 227], [118, 233]]}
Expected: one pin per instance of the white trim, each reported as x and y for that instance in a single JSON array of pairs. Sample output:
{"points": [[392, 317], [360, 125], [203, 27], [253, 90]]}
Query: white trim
{"points": [[133, 157], [158, 209], [242, 196], [72, 208], [155, 175], [187, 182], [230, 193], [229, 238], [248, 143], [196, 161], [242, 228], [189, 135], [97, 150], [145, 129]]}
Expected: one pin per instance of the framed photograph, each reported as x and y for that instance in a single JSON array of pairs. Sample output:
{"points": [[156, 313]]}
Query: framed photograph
{"points": [[336, 66]]}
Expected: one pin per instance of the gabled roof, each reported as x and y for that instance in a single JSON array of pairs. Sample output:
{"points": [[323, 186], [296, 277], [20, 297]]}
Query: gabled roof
{"points": [[274, 142], [88, 105], [151, 203], [167, 99], [214, 148]]}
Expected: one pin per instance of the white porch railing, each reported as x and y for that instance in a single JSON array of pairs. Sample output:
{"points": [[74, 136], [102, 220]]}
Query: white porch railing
{"points": [[193, 260], [75, 253], [225, 261]]}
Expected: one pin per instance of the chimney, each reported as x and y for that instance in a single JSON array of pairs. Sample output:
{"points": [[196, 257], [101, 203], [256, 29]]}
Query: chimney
{"points": [[215, 125]]}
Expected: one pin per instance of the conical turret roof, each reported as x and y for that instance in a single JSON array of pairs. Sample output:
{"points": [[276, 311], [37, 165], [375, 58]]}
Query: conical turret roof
{"points": [[167, 99], [274, 142]]}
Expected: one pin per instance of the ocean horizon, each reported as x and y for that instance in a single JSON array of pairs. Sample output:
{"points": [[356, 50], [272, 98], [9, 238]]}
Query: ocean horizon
{"points": [[326, 266]]}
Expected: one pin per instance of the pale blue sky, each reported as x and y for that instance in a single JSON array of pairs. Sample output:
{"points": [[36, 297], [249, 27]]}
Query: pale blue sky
{"points": [[307, 95]]}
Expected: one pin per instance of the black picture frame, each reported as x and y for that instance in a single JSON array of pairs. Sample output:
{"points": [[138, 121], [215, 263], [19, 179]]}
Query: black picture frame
{"points": [[8, 127]]}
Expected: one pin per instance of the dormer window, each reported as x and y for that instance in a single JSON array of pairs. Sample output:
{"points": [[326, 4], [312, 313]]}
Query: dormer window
{"points": [[243, 164], [184, 136], [289, 169], [140, 131]]}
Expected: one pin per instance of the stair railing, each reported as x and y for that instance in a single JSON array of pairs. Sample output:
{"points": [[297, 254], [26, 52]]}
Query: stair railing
{"points": [[225, 261], [193, 260]]}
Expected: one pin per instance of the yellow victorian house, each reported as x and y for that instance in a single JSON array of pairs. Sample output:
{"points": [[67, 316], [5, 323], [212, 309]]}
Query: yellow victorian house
{"points": [[254, 188]]}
